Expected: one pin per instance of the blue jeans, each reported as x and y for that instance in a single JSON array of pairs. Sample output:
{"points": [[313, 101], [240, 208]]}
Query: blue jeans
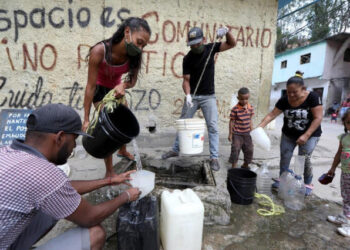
{"points": [[287, 147], [207, 103]]}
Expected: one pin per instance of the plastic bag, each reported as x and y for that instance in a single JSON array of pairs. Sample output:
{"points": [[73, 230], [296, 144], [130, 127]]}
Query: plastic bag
{"points": [[260, 138], [234, 100], [138, 225]]}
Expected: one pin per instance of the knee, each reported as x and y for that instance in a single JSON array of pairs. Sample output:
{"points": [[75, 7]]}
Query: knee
{"points": [[213, 128], [97, 237]]}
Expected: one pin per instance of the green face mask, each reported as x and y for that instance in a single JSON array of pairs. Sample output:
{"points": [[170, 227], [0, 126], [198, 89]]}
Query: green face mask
{"points": [[132, 49], [198, 50]]}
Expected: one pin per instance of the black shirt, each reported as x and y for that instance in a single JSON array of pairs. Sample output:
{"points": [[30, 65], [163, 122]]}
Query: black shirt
{"points": [[297, 120], [193, 65]]}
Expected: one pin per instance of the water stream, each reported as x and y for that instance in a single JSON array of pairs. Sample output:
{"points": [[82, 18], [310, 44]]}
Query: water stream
{"points": [[137, 155]]}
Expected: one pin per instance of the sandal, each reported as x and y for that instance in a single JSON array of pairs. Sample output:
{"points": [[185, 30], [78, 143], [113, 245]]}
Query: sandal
{"points": [[344, 230], [127, 156], [276, 183], [308, 189]]}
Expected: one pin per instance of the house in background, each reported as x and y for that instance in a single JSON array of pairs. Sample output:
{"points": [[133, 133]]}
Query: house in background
{"points": [[326, 67]]}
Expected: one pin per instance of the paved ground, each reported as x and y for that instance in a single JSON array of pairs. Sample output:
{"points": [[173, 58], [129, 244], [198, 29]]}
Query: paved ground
{"points": [[245, 226]]}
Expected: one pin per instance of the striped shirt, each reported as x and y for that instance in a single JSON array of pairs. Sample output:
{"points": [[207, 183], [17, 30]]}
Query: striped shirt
{"points": [[29, 183], [242, 117]]}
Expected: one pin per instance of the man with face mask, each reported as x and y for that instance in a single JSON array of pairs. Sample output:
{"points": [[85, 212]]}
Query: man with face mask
{"points": [[198, 75], [35, 193]]}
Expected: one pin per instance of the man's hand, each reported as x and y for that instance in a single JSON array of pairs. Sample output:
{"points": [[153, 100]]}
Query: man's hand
{"points": [[119, 90], [134, 193], [230, 137], [221, 32], [189, 101], [122, 178]]}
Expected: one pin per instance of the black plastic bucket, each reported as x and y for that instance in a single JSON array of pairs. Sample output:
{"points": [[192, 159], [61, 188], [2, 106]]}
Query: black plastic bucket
{"points": [[241, 184], [112, 131]]}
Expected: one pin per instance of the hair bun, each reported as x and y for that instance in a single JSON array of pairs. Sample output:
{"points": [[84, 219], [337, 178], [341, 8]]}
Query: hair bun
{"points": [[300, 74]]}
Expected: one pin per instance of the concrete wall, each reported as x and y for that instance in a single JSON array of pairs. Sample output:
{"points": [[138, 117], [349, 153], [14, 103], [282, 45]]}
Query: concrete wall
{"points": [[335, 66], [43, 45], [312, 69]]}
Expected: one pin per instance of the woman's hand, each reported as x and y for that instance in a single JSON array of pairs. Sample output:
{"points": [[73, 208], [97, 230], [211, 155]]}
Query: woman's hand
{"points": [[119, 90], [85, 125], [122, 178], [302, 139]]}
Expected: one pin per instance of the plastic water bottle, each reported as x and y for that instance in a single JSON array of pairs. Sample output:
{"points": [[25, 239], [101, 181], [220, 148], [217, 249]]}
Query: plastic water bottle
{"points": [[285, 177], [295, 194], [299, 163], [263, 182]]}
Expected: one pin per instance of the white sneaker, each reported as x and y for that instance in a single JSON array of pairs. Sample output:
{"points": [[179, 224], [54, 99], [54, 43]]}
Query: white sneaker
{"points": [[344, 230], [339, 219]]}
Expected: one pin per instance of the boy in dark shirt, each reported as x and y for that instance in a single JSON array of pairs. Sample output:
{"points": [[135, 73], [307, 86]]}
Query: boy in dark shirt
{"points": [[239, 129]]}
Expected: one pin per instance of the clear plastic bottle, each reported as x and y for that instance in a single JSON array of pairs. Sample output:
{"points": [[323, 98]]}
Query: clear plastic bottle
{"points": [[285, 177], [295, 194], [263, 182]]}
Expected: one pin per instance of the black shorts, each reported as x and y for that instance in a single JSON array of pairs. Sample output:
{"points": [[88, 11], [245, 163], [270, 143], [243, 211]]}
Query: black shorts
{"points": [[100, 92]]}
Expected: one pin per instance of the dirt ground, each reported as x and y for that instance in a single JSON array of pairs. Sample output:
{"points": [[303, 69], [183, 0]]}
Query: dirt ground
{"points": [[307, 229]]}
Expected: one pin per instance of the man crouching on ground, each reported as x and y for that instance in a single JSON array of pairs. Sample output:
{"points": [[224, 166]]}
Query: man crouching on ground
{"points": [[35, 194]]}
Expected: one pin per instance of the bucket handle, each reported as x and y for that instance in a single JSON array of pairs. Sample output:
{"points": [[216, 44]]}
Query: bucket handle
{"points": [[244, 198]]}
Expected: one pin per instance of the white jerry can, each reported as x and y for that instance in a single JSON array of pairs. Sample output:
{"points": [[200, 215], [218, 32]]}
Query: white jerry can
{"points": [[181, 220]]}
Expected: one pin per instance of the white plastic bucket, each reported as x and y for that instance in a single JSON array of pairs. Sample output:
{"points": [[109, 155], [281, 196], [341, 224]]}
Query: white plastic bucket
{"points": [[191, 135], [260, 138], [144, 180], [65, 168]]}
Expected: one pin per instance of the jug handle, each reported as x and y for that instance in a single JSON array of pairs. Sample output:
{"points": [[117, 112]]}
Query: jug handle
{"points": [[182, 199]]}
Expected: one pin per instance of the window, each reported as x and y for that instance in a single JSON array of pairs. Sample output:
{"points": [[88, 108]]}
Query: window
{"points": [[319, 91], [284, 64], [305, 58], [347, 55], [283, 92]]}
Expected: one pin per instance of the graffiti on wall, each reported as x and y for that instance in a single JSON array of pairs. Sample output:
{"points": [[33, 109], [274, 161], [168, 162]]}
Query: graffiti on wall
{"points": [[38, 56]]}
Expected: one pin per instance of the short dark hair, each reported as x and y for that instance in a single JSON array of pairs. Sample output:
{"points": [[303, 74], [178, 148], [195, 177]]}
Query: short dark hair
{"points": [[243, 91], [35, 136], [297, 80]]}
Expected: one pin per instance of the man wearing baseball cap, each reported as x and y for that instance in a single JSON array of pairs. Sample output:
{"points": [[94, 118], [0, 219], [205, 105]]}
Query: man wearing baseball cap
{"points": [[198, 85], [35, 193]]}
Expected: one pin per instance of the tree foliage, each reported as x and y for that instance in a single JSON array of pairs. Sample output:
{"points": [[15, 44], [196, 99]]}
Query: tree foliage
{"points": [[312, 23]]}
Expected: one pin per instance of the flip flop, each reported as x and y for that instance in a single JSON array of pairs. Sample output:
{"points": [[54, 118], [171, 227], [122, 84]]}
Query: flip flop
{"points": [[125, 157]]}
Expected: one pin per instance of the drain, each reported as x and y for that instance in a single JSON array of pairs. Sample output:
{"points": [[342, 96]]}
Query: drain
{"points": [[180, 177]]}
